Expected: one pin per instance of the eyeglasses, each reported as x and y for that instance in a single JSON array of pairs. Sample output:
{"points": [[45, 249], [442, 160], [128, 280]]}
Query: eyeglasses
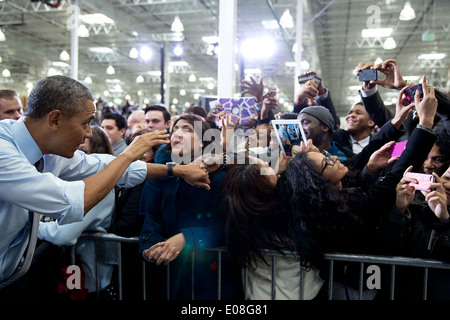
{"points": [[328, 161]]}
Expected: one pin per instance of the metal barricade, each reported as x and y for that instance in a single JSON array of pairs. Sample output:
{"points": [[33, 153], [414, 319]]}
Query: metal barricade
{"points": [[108, 251]]}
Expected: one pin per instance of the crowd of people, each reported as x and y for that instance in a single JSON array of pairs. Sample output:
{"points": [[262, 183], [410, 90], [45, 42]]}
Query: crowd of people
{"points": [[184, 183]]}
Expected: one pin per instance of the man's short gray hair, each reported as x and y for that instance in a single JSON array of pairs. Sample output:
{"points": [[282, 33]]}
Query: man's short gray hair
{"points": [[57, 93]]}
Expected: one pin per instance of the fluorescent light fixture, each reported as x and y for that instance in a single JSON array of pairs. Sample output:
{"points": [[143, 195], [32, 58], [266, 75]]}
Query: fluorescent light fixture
{"points": [[64, 55], [112, 81], [95, 18], [376, 32], [155, 73], [134, 53], [407, 13], [210, 39], [60, 64], [101, 50], [178, 63], [432, 56], [389, 44], [177, 25], [2, 36], [286, 20], [290, 64]]}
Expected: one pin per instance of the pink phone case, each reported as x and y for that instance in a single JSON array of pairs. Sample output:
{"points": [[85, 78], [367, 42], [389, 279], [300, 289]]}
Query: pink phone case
{"points": [[424, 180], [398, 148]]}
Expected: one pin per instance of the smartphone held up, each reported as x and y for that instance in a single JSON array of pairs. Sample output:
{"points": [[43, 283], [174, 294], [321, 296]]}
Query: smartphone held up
{"points": [[423, 180]]}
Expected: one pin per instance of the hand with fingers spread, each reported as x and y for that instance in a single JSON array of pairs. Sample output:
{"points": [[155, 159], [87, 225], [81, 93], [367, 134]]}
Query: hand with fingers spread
{"points": [[254, 88], [437, 199], [380, 159]]}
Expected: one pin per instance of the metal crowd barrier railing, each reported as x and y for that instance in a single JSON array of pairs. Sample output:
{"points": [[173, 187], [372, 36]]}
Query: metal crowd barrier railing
{"points": [[108, 251]]}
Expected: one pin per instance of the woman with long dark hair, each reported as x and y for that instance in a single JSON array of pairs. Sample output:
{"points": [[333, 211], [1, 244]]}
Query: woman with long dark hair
{"points": [[326, 217], [254, 224]]}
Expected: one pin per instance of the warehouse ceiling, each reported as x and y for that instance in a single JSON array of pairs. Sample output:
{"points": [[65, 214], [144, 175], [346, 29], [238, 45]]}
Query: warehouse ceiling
{"points": [[332, 44]]}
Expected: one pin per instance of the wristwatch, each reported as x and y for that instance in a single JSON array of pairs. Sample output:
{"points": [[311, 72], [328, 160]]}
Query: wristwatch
{"points": [[170, 168]]}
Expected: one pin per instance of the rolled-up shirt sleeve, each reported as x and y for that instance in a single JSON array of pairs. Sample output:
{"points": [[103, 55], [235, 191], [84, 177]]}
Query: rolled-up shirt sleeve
{"points": [[58, 192]]}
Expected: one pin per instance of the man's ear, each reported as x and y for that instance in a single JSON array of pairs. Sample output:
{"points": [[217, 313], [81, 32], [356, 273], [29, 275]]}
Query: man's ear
{"points": [[54, 119], [371, 123]]}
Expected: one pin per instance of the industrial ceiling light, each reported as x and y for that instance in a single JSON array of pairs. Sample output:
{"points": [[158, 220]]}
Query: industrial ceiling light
{"points": [[286, 20], [407, 13], [178, 51], [432, 56], [82, 31], [6, 73], [192, 78], [64, 56], [376, 32], [177, 25], [145, 53], [139, 79], [110, 70], [134, 53], [389, 44]]}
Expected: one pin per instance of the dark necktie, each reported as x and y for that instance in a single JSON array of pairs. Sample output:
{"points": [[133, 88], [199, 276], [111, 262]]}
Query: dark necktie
{"points": [[33, 219]]}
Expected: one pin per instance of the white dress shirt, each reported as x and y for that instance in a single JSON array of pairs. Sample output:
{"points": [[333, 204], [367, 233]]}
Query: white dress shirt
{"points": [[359, 145], [58, 192]]}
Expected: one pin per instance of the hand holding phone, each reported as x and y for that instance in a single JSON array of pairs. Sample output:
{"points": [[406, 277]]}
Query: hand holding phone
{"points": [[272, 91], [411, 92], [302, 79], [397, 149], [423, 180]]}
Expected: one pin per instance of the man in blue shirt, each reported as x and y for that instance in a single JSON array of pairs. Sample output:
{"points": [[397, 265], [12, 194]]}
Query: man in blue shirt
{"points": [[56, 121]]}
